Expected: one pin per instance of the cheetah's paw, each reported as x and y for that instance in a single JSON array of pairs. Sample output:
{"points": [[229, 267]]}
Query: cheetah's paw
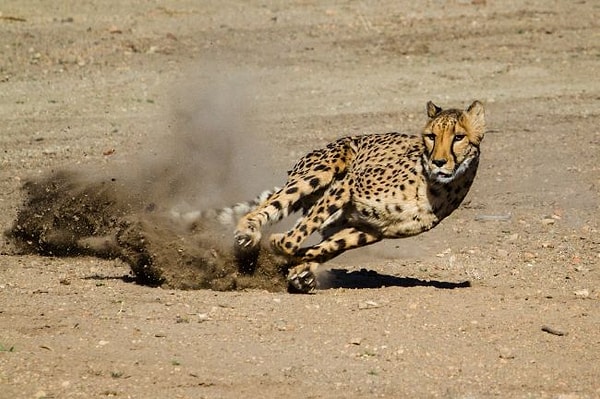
{"points": [[302, 279], [247, 238]]}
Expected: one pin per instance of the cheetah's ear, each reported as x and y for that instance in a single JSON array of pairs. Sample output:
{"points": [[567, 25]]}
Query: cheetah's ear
{"points": [[476, 110], [432, 109], [475, 114]]}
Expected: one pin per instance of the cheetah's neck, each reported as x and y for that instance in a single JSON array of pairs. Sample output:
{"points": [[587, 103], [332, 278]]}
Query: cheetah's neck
{"points": [[444, 198]]}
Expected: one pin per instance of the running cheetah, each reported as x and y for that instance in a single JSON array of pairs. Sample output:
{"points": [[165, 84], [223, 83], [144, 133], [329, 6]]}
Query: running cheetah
{"points": [[359, 190]]}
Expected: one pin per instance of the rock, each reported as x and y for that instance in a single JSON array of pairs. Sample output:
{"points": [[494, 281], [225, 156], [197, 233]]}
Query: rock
{"points": [[368, 305]]}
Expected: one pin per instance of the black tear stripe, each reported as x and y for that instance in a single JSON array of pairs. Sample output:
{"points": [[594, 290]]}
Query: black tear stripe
{"points": [[453, 155]]}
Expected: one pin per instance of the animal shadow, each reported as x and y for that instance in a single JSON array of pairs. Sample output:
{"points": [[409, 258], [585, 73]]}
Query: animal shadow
{"points": [[127, 278], [363, 278]]}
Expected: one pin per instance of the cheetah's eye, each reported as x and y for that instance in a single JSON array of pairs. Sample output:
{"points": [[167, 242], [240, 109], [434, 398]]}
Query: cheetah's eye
{"points": [[459, 137], [430, 136]]}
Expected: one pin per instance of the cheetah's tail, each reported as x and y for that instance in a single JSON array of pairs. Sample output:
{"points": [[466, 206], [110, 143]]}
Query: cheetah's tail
{"points": [[226, 216]]}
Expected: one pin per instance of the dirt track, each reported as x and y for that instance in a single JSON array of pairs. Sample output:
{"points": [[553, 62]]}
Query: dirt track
{"points": [[96, 86]]}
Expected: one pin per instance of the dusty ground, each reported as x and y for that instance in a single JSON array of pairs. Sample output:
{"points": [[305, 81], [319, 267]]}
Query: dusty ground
{"points": [[95, 85]]}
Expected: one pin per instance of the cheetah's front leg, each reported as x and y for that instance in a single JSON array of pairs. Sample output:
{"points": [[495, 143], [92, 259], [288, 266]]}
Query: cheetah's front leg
{"points": [[302, 278], [338, 242]]}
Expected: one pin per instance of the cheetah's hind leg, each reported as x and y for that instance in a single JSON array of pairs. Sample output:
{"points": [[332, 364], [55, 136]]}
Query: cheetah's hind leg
{"points": [[311, 174], [324, 212]]}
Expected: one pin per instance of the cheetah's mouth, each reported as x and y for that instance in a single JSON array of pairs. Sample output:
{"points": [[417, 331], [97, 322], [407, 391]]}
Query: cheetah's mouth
{"points": [[442, 173], [446, 175], [442, 176]]}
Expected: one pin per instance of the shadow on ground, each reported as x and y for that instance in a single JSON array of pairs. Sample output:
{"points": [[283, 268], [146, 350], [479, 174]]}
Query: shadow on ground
{"points": [[363, 278]]}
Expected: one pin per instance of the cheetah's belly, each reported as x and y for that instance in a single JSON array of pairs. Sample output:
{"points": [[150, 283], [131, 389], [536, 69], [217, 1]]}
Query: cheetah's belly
{"points": [[395, 219]]}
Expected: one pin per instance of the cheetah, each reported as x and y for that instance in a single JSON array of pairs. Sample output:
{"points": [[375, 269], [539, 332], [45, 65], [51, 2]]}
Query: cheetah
{"points": [[361, 189]]}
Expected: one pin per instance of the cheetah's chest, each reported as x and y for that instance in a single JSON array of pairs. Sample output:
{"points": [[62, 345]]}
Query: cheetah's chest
{"points": [[390, 191], [389, 188]]}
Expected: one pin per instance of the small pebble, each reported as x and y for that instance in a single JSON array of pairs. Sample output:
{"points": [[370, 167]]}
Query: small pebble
{"points": [[492, 218], [506, 353], [203, 317], [553, 331], [368, 305], [583, 293]]}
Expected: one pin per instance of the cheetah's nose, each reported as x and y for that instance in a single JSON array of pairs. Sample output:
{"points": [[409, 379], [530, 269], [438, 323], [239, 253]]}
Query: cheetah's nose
{"points": [[439, 162]]}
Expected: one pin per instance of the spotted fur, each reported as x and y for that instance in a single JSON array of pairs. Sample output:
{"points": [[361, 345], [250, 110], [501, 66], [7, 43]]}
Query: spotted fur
{"points": [[359, 190]]}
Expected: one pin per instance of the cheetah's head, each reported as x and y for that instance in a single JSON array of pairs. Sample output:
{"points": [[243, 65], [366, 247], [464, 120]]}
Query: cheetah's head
{"points": [[452, 139]]}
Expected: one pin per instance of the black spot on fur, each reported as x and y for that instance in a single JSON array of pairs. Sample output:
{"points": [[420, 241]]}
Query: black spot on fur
{"points": [[362, 239], [341, 243]]}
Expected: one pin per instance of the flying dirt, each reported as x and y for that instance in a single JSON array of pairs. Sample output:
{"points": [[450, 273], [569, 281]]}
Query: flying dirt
{"points": [[134, 210]]}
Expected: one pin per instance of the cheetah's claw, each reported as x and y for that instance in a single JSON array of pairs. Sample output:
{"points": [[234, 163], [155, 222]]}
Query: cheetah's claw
{"points": [[303, 282], [243, 240], [246, 239]]}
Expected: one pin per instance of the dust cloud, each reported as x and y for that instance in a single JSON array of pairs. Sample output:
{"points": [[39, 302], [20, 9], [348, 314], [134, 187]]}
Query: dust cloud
{"points": [[212, 156], [137, 210]]}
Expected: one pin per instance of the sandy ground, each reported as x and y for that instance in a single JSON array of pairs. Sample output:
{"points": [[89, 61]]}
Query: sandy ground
{"points": [[501, 300]]}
